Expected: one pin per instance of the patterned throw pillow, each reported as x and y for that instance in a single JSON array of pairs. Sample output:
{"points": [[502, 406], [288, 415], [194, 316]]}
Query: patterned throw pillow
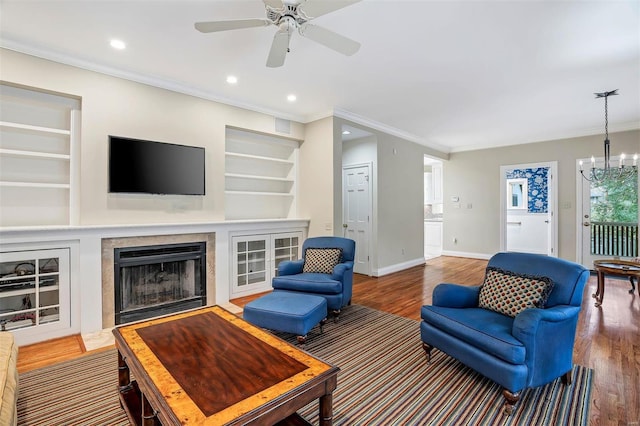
{"points": [[510, 293], [321, 260]]}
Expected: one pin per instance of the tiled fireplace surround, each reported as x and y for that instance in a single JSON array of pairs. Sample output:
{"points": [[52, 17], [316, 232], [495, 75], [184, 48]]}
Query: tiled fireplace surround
{"points": [[109, 244]]}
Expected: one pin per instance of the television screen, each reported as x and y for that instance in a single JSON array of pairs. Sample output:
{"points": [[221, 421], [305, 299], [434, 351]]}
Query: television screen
{"points": [[139, 166]]}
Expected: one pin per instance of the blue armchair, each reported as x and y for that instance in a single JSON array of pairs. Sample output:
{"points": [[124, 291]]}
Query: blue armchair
{"points": [[529, 349], [336, 286]]}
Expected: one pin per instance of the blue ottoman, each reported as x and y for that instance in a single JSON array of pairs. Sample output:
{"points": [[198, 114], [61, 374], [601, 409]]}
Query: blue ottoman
{"points": [[288, 312]]}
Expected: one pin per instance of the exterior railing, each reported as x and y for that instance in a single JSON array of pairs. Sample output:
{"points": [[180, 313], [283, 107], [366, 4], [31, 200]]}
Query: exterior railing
{"points": [[614, 239]]}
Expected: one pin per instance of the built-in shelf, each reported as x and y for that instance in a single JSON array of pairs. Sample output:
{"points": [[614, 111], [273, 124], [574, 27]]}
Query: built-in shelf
{"points": [[20, 153], [260, 175], [254, 193], [39, 129], [34, 292], [259, 157], [35, 185], [241, 176], [255, 259], [23, 291], [38, 166]]}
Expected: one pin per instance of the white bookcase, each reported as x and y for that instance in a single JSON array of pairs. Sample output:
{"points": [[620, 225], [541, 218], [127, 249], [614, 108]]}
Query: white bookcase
{"points": [[260, 175], [38, 133]]}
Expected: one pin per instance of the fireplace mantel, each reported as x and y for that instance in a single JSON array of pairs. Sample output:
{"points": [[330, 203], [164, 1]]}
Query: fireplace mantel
{"points": [[87, 262]]}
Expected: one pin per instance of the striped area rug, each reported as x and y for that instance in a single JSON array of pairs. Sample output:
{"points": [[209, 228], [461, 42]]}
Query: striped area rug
{"points": [[384, 380]]}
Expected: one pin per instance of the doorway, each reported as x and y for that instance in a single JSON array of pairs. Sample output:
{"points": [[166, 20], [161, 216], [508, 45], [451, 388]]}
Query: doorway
{"points": [[528, 196], [607, 219], [433, 207], [357, 208]]}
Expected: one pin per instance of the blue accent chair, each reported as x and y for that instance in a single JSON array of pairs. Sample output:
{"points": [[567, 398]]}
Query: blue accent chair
{"points": [[336, 288], [527, 351]]}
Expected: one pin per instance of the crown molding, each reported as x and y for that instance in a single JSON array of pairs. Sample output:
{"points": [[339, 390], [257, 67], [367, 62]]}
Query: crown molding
{"points": [[613, 128], [140, 78], [389, 130]]}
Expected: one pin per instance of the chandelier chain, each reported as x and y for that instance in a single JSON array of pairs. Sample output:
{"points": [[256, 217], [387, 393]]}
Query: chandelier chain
{"points": [[620, 173], [606, 118]]}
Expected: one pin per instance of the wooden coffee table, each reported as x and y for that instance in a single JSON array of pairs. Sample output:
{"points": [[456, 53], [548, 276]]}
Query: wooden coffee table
{"points": [[210, 367], [622, 268]]}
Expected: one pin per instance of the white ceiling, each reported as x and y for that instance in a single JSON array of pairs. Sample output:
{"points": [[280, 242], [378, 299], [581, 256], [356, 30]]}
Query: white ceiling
{"points": [[454, 75]]}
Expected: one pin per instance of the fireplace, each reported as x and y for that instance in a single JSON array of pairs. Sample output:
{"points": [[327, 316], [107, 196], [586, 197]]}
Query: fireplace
{"points": [[157, 280]]}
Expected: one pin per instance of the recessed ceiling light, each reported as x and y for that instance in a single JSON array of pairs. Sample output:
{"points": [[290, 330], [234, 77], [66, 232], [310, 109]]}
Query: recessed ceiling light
{"points": [[232, 79], [346, 132], [117, 44], [292, 98]]}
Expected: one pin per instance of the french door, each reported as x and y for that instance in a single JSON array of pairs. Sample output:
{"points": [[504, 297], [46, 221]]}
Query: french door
{"points": [[608, 219]]}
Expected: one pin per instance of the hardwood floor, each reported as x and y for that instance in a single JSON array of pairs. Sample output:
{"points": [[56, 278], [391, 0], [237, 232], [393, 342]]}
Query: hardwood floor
{"points": [[607, 340]]}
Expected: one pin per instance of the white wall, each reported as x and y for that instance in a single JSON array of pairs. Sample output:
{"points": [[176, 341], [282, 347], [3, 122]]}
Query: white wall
{"points": [[316, 183], [474, 176], [114, 106], [398, 237]]}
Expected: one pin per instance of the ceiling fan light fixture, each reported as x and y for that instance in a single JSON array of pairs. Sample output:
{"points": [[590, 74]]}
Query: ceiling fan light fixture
{"points": [[117, 44], [289, 16]]}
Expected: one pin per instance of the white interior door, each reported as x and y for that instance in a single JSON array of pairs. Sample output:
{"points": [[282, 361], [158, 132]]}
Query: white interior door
{"points": [[528, 197], [356, 181]]}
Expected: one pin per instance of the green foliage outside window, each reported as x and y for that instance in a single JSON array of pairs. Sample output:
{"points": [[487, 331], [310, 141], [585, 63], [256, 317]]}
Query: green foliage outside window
{"points": [[615, 201]]}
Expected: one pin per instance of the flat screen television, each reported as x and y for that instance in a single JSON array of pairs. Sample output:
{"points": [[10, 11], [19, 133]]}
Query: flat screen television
{"points": [[140, 166]]}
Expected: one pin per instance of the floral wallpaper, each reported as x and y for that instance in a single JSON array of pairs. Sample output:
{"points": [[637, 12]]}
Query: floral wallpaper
{"points": [[538, 187]]}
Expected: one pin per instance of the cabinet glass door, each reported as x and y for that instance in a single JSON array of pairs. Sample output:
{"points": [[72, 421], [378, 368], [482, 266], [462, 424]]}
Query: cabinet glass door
{"points": [[32, 287], [251, 256], [286, 247]]}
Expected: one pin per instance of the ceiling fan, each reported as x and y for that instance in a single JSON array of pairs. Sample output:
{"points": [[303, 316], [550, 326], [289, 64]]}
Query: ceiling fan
{"points": [[290, 15]]}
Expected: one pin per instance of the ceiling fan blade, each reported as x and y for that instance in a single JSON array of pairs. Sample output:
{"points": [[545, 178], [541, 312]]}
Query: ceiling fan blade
{"points": [[279, 49], [328, 38], [314, 8], [276, 4], [235, 24]]}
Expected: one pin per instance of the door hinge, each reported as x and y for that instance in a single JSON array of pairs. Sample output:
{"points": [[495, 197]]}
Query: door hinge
{"points": [[367, 258]]}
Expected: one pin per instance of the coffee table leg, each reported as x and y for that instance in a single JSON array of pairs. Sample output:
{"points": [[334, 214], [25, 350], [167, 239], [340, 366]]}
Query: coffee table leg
{"points": [[599, 295], [326, 410], [148, 415], [124, 380]]}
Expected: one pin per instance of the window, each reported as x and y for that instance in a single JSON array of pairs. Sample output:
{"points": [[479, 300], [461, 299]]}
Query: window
{"points": [[516, 193]]}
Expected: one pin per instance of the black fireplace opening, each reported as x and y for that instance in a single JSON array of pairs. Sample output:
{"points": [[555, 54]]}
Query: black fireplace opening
{"points": [[158, 280]]}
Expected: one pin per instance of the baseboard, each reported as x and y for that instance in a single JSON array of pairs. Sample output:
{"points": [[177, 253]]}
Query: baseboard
{"points": [[467, 254], [398, 267]]}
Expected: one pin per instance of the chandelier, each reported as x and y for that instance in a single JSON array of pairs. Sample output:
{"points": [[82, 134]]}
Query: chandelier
{"points": [[620, 173]]}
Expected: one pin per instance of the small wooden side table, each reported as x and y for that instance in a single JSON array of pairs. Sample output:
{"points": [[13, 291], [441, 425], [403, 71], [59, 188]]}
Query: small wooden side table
{"points": [[624, 268]]}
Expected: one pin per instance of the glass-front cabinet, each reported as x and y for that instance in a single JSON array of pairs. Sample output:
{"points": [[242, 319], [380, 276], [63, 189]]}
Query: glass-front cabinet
{"points": [[251, 257], [256, 258], [34, 290], [286, 247]]}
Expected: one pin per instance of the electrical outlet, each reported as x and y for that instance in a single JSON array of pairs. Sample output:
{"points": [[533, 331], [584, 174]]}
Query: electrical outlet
{"points": [[455, 240]]}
